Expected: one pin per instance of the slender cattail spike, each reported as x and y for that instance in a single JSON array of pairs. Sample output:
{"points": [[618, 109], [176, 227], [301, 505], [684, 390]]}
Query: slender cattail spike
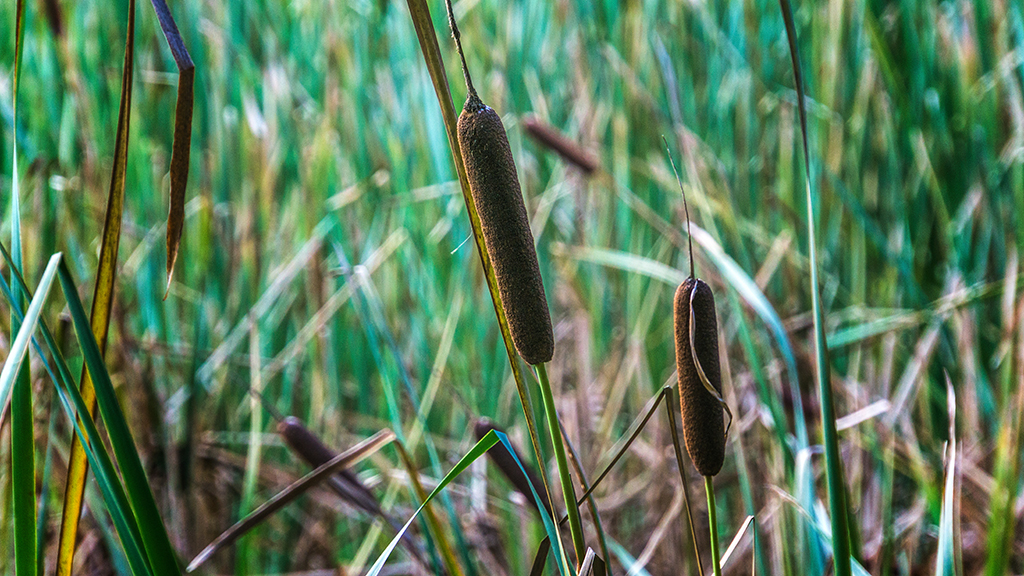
{"points": [[569, 150], [458, 46], [697, 363], [311, 449], [503, 460], [494, 186], [686, 209], [345, 483]]}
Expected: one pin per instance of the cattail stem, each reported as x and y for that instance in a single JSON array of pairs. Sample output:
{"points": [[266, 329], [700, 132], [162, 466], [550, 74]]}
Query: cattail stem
{"points": [[709, 487], [458, 45], [568, 491]]}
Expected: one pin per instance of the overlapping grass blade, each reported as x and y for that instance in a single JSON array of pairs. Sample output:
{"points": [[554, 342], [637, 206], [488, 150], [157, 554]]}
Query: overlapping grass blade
{"points": [[182, 144], [478, 450], [347, 458], [22, 436], [74, 406], [14, 364], [833, 464], [23, 479], [370, 311], [151, 527], [432, 55], [102, 300], [435, 526]]}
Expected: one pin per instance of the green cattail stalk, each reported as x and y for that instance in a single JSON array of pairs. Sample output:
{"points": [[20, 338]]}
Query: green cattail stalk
{"points": [[494, 186], [716, 562], [504, 461]]}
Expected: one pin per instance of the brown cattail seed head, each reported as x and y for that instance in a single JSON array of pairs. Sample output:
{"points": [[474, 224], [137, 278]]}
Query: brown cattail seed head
{"points": [[703, 426], [569, 150], [495, 188], [309, 447]]}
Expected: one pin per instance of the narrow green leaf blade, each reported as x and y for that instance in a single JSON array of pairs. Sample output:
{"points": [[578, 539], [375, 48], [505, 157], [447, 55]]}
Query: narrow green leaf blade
{"points": [[102, 301], [13, 365], [478, 450], [833, 464], [945, 556], [23, 477], [22, 446], [154, 534], [85, 428]]}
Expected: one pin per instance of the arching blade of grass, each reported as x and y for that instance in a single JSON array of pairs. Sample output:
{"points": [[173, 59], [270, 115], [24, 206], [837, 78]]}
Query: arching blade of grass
{"points": [[371, 311], [151, 527], [833, 464], [102, 300], [347, 458], [478, 450], [451, 565], [618, 451], [592, 565], [23, 466], [432, 55], [74, 406], [182, 134], [736, 540]]}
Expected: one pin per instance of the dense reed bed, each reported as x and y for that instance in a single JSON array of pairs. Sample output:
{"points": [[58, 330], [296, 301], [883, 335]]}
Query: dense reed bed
{"points": [[327, 262]]}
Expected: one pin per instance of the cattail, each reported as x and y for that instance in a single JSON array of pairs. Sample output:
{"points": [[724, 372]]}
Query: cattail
{"points": [[344, 483], [304, 443], [503, 460], [553, 139], [696, 334], [508, 240], [703, 427]]}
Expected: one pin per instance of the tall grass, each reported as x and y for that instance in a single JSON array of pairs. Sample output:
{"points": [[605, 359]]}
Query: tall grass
{"points": [[307, 111]]}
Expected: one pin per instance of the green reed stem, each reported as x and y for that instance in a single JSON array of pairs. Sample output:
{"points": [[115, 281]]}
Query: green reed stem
{"points": [[568, 491], [709, 487]]}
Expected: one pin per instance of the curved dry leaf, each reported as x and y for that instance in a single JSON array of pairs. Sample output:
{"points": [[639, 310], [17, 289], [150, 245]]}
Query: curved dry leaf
{"points": [[182, 144]]}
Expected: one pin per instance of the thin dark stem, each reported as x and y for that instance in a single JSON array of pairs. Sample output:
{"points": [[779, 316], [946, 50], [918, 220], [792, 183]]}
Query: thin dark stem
{"points": [[267, 406], [682, 477], [686, 208], [458, 45]]}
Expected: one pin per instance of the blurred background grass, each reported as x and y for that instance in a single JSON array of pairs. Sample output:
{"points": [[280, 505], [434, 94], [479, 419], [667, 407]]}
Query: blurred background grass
{"points": [[316, 127]]}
